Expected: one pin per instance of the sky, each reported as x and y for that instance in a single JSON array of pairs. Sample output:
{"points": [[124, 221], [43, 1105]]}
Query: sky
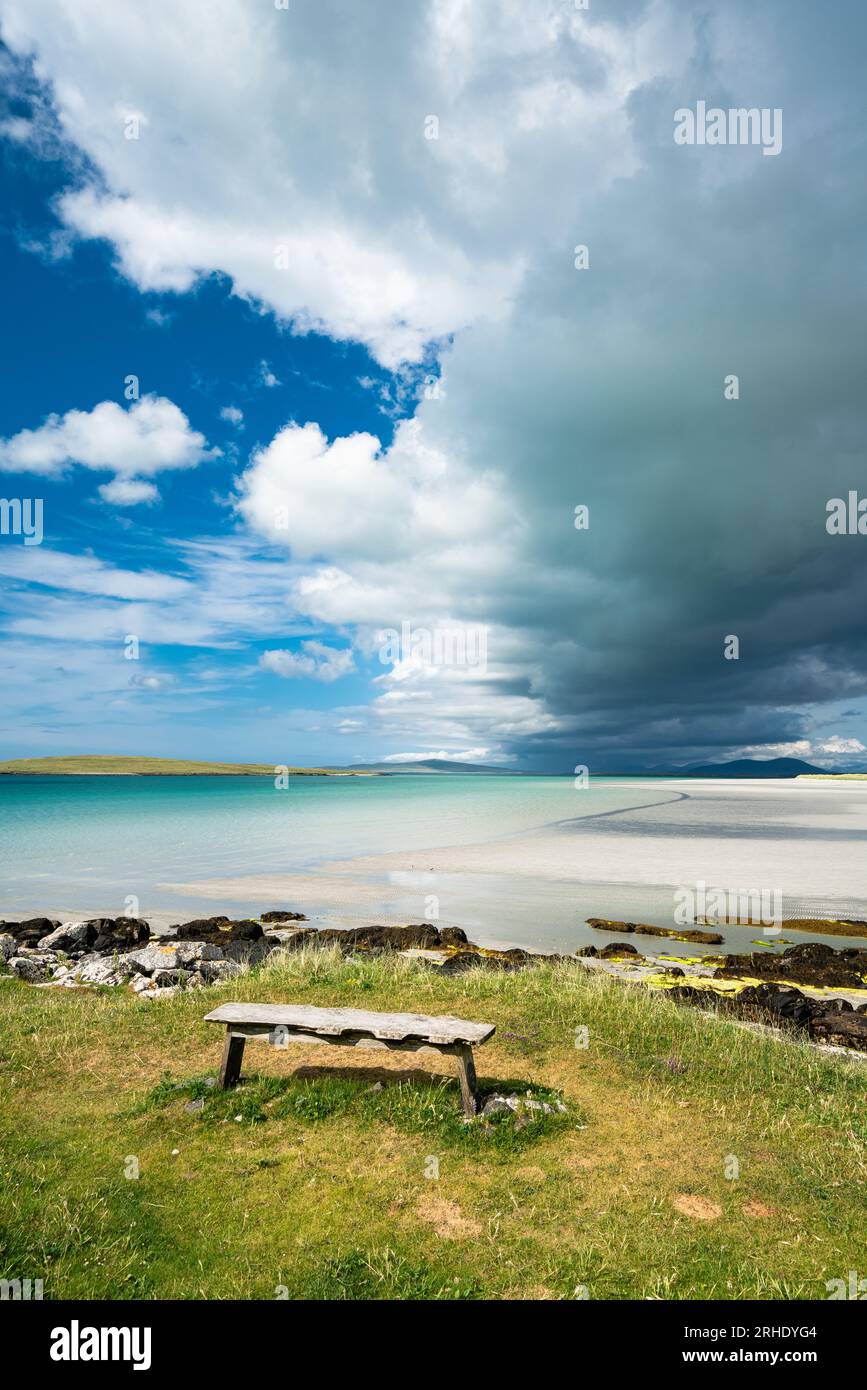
{"points": [[392, 381]]}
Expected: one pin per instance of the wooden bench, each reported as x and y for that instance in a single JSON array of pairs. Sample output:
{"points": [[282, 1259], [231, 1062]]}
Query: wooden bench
{"points": [[285, 1023]]}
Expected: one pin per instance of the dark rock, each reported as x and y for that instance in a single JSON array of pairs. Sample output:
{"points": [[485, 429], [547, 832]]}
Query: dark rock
{"points": [[616, 950], [29, 932], [708, 938], [30, 968], [812, 963], [119, 933], [452, 936], [420, 935], [845, 1029], [774, 1002], [219, 931], [280, 916]]}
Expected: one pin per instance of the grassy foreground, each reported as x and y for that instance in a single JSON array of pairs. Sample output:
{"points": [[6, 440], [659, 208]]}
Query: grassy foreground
{"points": [[317, 1177]]}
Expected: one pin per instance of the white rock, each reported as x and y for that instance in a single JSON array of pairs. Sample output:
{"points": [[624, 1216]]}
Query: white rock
{"points": [[151, 958], [99, 970], [7, 947]]}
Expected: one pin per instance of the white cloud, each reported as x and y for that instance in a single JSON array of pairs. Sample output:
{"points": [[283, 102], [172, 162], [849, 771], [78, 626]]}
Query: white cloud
{"points": [[316, 661], [461, 755], [267, 376], [85, 574], [232, 415], [128, 492], [838, 744], [346, 219], [153, 435]]}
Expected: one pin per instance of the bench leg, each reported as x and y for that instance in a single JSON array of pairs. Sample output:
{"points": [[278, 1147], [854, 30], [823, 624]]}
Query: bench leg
{"points": [[233, 1055], [467, 1074]]}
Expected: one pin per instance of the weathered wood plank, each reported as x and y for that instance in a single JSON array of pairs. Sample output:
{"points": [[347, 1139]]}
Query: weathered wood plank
{"points": [[467, 1077], [336, 1022], [360, 1040], [233, 1055]]}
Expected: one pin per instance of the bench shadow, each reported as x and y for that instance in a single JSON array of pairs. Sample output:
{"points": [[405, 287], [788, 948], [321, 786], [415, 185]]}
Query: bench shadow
{"points": [[386, 1076]]}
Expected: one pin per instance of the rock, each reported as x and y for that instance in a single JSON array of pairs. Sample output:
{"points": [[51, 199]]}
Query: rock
{"points": [[163, 979], [100, 970], [120, 933], [460, 962], [7, 947], [644, 929], [32, 930], [616, 950], [204, 924], [291, 939], [210, 971], [707, 938], [845, 1029], [141, 984], [377, 938], [499, 1105], [452, 936], [193, 1107], [162, 993], [283, 917], [250, 952], [189, 953], [812, 963], [153, 958], [775, 1002], [30, 968], [70, 936], [219, 931]]}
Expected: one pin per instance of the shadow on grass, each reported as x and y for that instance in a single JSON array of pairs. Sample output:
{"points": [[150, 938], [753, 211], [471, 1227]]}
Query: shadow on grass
{"points": [[412, 1101]]}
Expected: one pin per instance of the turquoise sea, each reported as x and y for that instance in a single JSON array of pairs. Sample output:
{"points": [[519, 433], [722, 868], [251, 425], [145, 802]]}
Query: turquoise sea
{"points": [[543, 855]]}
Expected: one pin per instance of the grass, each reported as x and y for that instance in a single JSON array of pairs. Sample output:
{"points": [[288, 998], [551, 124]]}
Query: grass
{"points": [[98, 764], [353, 1175]]}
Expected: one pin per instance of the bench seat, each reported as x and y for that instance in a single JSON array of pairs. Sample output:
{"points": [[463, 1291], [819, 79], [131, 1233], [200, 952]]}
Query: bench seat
{"points": [[301, 1023]]}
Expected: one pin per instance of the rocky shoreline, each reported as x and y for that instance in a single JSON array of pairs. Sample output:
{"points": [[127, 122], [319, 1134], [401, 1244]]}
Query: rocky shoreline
{"points": [[811, 987]]}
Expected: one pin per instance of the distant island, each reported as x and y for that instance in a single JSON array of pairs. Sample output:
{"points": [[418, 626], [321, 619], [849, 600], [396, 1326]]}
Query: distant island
{"points": [[754, 767], [100, 765]]}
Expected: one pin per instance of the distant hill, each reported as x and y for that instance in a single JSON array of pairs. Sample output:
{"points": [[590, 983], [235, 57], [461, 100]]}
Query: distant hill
{"points": [[434, 765], [100, 765], [751, 767]]}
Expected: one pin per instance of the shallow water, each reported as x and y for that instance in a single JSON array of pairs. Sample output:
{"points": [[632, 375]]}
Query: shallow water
{"points": [[519, 860]]}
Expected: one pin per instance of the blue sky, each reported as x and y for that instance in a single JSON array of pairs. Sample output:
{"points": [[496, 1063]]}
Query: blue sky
{"points": [[339, 256]]}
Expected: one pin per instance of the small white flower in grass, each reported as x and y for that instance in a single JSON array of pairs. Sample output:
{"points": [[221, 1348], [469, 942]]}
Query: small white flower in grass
{"points": [[175, 1153]]}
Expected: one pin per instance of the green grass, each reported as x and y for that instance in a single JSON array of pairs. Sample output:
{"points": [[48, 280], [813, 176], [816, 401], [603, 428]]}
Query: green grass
{"points": [[98, 764], [317, 1177]]}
